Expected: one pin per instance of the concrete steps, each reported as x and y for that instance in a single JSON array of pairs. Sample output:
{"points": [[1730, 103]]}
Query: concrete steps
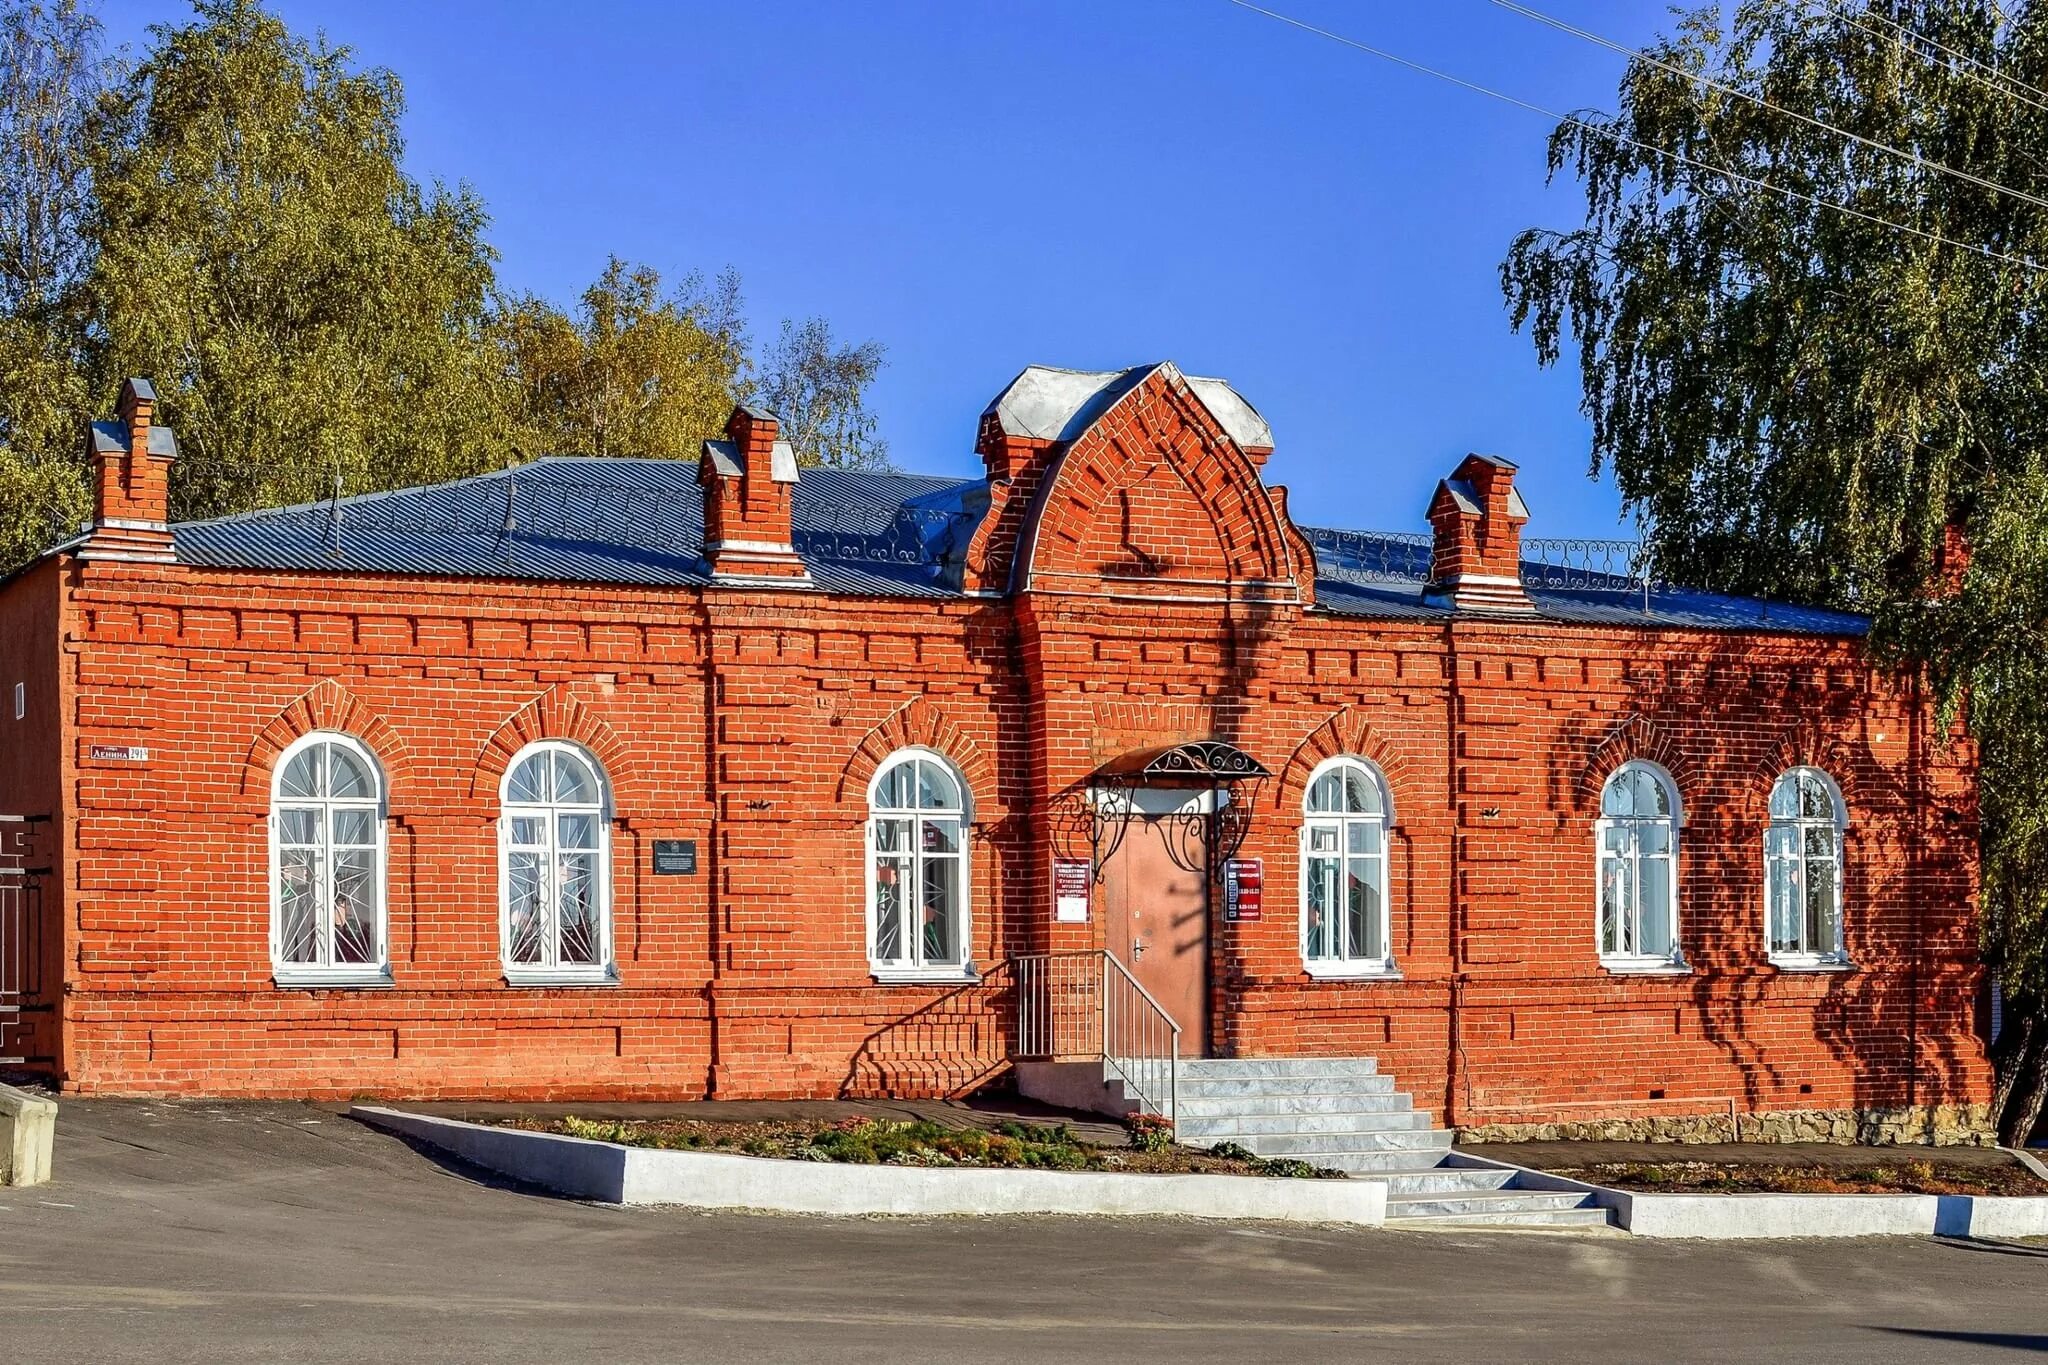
{"points": [[1342, 1113]]}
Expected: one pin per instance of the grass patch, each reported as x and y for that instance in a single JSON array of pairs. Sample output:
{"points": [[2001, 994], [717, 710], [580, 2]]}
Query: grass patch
{"points": [[1902, 1177], [921, 1142]]}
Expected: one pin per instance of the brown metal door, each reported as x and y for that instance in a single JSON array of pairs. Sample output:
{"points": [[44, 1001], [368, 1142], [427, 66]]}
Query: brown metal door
{"points": [[1155, 902]]}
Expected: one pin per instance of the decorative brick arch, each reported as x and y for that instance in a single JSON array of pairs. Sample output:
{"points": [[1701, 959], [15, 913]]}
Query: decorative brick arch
{"points": [[1636, 738], [1802, 744], [1345, 732], [327, 705], [1160, 424], [558, 714], [919, 723]]}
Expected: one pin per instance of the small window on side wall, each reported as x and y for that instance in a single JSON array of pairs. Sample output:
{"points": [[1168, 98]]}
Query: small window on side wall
{"points": [[554, 848], [1803, 872], [327, 860], [917, 870], [1344, 921], [1637, 848]]}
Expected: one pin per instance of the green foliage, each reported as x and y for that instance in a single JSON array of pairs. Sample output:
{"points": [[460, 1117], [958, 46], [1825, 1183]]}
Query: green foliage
{"points": [[816, 386], [636, 372], [1149, 1132], [1797, 401]]}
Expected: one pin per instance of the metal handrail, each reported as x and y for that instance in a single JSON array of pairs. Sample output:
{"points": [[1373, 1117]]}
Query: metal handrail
{"points": [[1086, 1005]]}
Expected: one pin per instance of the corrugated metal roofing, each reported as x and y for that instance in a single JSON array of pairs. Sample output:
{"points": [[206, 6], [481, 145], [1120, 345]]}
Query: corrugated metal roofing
{"points": [[641, 522]]}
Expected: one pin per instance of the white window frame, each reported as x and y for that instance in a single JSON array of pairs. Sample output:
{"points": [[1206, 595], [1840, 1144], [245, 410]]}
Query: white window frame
{"points": [[328, 973], [1837, 958], [1647, 964], [911, 968], [1357, 968], [551, 971]]}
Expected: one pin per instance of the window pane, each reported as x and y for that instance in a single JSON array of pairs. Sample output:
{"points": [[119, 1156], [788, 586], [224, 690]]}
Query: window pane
{"points": [[348, 777], [1364, 836], [1781, 841], [1653, 837], [1785, 797], [1815, 802], [1613, 875], [355, 826], [576, 831], [894, 790], [1362, 910], [1328, 793], [1618, 798], [1361, 793], [530, 831], [941, 836], [892, 883], [1615, 840], [1322, 838], [936, 789], [1651, 796], [1655, 910], [529, 783], [576, 905], [892, 836], [1823, 907], [1322, 895], [1784, 907], [301, 776], [355, 907], [575, 783], [297, 899], [940, 913], [298, 826], [524, 906], [1820, 841]]}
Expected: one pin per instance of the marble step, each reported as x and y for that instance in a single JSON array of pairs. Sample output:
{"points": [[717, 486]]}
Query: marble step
{"points": [[1334, 1083], [1447, 1205], [1209, 1127], [1537, 1218], [1321, 1102], [1237, 1067]]}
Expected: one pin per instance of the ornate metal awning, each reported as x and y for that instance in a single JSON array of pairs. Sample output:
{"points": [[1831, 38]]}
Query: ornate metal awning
{"points": [[1199, 763], [1101, 809]]}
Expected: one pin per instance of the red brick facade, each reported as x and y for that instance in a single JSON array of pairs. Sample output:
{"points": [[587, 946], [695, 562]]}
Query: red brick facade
{"points": [[1140, 585]]}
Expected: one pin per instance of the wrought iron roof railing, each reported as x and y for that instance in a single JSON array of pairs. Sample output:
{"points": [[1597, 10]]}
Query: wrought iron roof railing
{"points": [[1372, 556], [1584, 565]]}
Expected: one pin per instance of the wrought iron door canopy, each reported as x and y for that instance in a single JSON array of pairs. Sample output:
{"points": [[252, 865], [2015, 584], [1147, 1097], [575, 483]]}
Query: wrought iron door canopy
{"points": [[1101, 808]]}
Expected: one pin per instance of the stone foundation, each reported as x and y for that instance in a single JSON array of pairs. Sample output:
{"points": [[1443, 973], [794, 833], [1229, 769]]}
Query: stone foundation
{"points": [[1940, 1125]]}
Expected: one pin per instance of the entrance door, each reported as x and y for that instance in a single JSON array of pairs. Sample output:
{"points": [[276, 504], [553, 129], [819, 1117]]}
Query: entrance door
{"points": [[1156, 905]]}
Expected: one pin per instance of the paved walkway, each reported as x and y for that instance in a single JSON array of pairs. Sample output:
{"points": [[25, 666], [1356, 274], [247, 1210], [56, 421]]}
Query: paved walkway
{"points": [[1546, 1156], [273, 1232]]}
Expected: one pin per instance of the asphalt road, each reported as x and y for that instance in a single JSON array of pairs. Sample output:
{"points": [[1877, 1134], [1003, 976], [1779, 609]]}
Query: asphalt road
{"points": [[195, 1232]]}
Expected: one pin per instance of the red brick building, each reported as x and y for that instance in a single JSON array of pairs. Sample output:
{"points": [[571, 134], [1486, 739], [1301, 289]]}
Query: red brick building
{"points": [[617, 778]]}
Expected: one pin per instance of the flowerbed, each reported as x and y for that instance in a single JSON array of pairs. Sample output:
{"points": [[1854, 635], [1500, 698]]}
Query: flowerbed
{"points": [[1904, 1177], [869, 1142]]}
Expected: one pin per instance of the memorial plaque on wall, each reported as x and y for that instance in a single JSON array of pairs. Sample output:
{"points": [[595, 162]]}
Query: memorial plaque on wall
{"points": [[1243, 890], [675, 857], [1070, 890]]}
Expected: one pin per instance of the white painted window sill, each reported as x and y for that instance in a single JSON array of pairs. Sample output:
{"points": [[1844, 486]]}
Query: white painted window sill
{"points": [[1645, 966], [1352, 971], [1812, 964], [331, 978], [922, 976], [559, 976]]}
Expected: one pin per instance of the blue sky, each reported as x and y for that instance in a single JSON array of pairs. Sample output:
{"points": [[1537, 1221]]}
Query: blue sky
{"points": [[1088, 183]]}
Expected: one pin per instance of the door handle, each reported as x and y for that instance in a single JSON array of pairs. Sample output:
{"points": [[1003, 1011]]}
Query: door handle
{"points": [[1137, 949]]}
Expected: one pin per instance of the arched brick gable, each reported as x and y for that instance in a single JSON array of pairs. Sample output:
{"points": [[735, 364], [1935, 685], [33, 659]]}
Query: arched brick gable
{"points": [[1346, 731], [1803, 744], [327, 705], [920, 723], [558, 714], [1160, 425], [1637, 737]]}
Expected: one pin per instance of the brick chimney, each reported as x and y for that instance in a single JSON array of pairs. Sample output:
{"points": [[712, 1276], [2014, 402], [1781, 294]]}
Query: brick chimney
{"points": [[131, 459], [749, 482], [1476, 561]]}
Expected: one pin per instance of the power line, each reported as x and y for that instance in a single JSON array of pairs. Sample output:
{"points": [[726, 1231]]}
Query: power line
{"points": [[1636, 54], [1622, 139], [2034, 97]]}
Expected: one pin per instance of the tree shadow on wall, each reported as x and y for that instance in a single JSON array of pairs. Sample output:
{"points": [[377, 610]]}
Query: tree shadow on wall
{"points": [[948, 1047], [1727, 723]]}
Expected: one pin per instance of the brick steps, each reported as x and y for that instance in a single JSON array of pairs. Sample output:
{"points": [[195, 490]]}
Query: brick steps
{"points": [[1343, 1114]]}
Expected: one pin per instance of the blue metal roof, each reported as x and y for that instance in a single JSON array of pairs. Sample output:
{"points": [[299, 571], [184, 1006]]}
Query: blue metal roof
{"points": [[641, 522]]}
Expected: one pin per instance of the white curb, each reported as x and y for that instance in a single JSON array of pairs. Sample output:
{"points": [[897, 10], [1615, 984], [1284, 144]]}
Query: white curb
{"points": [[1724, 1217], [611, 1173]]}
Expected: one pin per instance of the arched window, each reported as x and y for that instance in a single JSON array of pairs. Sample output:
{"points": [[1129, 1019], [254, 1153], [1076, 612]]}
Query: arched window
{"points": [[327, 865], [1345, 814], [1638, 842], [1803, 870], [555, 854], [917, 869]]}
